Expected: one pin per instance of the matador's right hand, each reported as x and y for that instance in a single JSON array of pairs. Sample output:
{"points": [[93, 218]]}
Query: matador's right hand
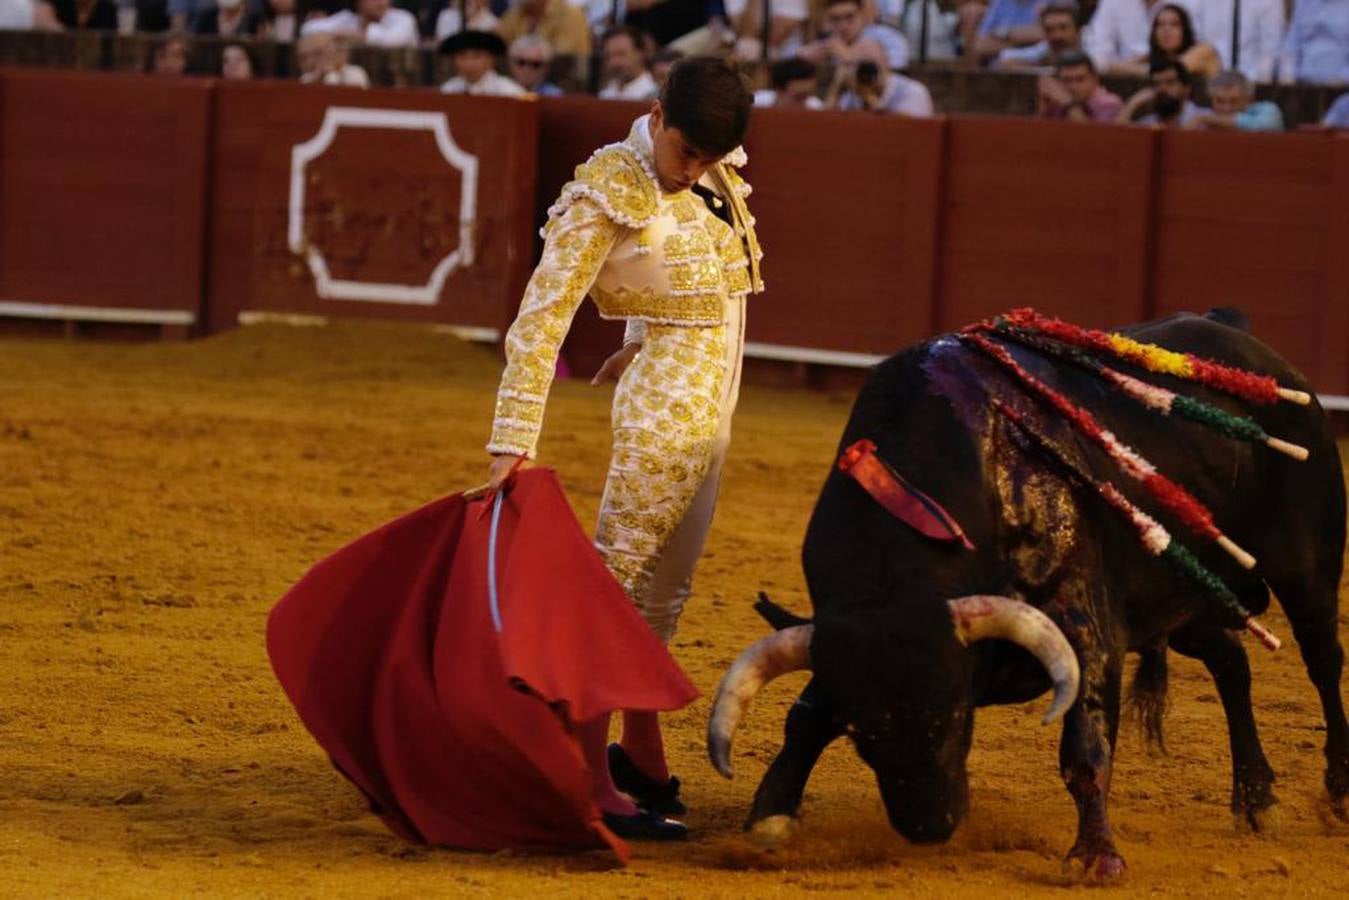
{"points": [[502, 467], [616, 365]]}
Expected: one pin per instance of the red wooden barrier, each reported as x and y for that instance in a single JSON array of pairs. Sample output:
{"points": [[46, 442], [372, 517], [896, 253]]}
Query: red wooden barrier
{"points": [[1046, 214], [393, 204], [1258, 222], [102, 196]]}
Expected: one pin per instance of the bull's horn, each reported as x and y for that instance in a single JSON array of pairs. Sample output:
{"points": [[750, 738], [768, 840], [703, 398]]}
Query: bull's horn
{"points": [[781, 652], [982, 616]]}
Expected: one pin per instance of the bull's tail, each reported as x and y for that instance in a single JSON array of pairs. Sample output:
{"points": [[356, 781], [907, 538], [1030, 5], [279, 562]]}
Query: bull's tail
{"points": [[775, 615], [1147, 695]]}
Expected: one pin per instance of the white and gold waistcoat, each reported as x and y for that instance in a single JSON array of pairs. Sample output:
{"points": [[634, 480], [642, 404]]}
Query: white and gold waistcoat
{"points": [[640, 253]]}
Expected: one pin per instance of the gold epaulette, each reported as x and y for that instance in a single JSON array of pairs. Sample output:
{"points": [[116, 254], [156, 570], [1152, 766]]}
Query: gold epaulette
{"points": [[619, 181]]}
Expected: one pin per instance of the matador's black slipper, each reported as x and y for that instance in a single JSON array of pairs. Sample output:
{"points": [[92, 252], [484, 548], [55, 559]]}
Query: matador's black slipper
{"points": [[650, 795], [645, 826]]}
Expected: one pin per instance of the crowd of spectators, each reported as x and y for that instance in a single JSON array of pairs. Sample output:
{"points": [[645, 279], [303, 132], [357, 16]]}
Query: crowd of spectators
{"points": [[840, 54]]}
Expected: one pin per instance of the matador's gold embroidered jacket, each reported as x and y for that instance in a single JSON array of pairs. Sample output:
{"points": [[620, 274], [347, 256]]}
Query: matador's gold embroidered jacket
{"points": [[643, 255]]}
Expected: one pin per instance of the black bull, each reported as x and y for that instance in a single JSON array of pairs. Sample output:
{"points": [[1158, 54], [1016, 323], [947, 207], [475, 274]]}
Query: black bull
{"points": [[888, 668]]}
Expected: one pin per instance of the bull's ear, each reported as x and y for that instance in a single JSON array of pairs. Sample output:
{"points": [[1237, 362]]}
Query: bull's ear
{"points": [[984, 616]]}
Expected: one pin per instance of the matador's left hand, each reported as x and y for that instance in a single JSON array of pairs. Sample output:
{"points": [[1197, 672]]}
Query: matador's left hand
{"points": [[616, 365]]}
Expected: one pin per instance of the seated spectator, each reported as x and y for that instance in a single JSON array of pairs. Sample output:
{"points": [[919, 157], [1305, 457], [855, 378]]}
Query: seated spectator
{"points": [[376, 22], [1076, 92], [1260, 35], [1317, 47], [1235, 107], [742, 30], [152, 16], [529, 59], [236, 63], [662, 62], [559, 23], [1337, 116], [228, 18], [183, 14], [1172, 38], [869, 86], [480, 18], [1058, 21], [625, 66], [280, 16], [475, 55], [1008, 24], [322, 59], [86, 15], [169, 58], [28, 15], [1118, 36], [1167, 102], [849, 28], [794, 81]]}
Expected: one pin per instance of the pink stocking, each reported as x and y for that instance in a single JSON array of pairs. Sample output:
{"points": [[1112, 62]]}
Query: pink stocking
{"points": [[642, 741], [594, 737]]}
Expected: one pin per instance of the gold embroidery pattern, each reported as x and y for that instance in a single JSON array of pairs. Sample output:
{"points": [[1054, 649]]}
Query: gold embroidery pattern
{"points": [[578, 241], [619, 181], [666, 412]]}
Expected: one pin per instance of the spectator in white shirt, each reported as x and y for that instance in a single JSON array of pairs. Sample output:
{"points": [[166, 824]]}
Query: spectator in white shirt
{"points": [[625, 66], [376, 22], [322, 59], [480, 18], [742, 30], [1259, 38], [475, 55], [1117, 36], [28, 15]]}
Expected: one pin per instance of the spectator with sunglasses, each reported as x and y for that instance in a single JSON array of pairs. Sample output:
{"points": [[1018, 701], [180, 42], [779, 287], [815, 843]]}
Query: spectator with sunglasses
{"points": [[529, 59]]}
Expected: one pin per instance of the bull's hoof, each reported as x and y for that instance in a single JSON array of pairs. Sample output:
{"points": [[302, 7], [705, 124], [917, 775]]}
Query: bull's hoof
{"points": [[1098, 868], [1337, 790], [1267, 820], [773, 831]]}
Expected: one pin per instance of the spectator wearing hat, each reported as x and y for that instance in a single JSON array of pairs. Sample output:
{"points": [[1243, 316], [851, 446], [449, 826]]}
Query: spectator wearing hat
{"points": [[376, 22], [528, 59], [1063, 35], [1075, 92], [475, 55], [559, 23], [1235, 107], [625, 66]]}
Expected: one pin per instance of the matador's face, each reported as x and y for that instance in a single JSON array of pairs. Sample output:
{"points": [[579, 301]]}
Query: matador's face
{"points": [[678, 165]]}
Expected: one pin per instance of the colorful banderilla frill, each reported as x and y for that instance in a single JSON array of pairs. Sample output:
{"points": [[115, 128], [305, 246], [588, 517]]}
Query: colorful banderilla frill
{"points": [[1172, 497], [1249, 386], [1164, 401], [1154, 537]]}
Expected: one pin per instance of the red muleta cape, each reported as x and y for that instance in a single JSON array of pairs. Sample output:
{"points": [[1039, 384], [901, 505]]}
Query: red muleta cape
{"points": [[457, 732]]}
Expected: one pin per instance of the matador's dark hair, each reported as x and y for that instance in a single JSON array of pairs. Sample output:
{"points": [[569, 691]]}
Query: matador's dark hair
{"points": [[708, 102]]}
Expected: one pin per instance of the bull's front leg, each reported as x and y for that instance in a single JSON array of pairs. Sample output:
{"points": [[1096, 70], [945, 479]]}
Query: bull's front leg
{"points": [[1085, 757], [811, 726]]}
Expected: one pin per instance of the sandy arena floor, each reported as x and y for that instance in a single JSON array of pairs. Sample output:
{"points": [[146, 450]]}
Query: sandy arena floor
{"points": [[155, 500]]}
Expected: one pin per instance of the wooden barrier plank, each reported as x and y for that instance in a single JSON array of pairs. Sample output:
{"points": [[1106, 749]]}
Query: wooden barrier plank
{"points": [[103, 183], [378, 225], [1246, 220], [1044, 214]]}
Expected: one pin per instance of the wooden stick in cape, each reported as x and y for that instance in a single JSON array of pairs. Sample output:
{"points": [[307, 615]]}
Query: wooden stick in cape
{"points": [[1180, 502], [1164, 401], [1248, 385], [1151, 534]]}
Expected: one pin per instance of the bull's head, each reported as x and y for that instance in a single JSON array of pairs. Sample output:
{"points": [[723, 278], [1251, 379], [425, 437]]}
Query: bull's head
{"points": [[906, 697]]}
